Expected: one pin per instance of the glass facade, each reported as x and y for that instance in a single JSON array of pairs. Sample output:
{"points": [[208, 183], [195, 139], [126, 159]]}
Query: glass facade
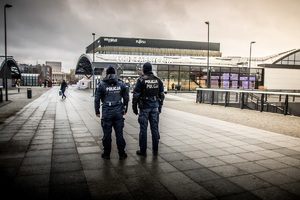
{"points": [[30, 80], [35, 75], [184, 63], [191, 77]]}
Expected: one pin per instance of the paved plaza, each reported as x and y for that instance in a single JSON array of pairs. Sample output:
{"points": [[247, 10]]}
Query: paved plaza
{"points": [[51, 149]]}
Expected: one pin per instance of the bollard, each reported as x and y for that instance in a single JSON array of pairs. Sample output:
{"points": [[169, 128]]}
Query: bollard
{"points": [[29, 93]]}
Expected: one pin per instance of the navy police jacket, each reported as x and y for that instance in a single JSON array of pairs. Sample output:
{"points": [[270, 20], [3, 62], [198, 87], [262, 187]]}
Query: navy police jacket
{"points": [[113, 95], [148, 92]]}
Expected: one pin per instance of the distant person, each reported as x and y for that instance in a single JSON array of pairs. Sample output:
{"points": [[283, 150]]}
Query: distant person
{"points": [[63, 87], [127, 84], [173, 85], [177, 88], [148, 96], [114, 96]]}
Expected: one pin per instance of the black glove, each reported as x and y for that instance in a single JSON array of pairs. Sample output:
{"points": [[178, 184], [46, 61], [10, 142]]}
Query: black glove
{"points": [[135, 110], [159, 109]]}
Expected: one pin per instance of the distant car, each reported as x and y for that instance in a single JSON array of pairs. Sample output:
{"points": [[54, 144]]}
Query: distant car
{"points": [[165, 89]]}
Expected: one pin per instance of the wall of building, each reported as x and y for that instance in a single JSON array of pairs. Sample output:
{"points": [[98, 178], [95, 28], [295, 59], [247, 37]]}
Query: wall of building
{"points": [[282, 79]]}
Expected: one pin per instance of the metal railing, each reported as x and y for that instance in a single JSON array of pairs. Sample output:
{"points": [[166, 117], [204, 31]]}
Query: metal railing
{"points": [[268, 101]]}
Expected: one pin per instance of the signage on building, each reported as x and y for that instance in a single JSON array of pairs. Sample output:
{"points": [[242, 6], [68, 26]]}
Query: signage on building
{"points": [[143, 59], [109, 40], [134, 59], [140, 41]]}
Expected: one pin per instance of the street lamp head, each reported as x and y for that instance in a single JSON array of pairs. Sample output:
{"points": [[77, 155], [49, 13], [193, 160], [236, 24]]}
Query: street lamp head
{"points": [[252, 42], [7, 6], [93, 33], [207, 23]]}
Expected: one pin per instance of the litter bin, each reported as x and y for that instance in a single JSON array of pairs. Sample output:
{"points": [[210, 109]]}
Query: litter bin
{"points": [[29, 93], [1, 95]]}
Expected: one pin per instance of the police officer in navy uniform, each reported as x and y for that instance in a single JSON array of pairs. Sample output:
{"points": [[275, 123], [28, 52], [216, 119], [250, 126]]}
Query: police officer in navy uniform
{"points": [[148, 96], [114, 97]]}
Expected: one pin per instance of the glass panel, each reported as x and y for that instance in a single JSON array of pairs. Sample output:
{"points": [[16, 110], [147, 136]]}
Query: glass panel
{"points": [[215, 80], [243, 83], [162, 67], [297, 56], [163, 75], [129, 67], [195, 68], [292, 57], [184, 68], [225, 69], [184, 80], [234, 76], [235, 70], [284, 62], [172, 67], [195, 77], [174, 79]]}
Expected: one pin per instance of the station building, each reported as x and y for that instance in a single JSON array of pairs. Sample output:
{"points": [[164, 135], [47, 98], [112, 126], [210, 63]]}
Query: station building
{"points": [[190, 64]]}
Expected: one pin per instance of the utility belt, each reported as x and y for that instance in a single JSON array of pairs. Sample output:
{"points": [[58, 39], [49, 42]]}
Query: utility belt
{"points": [[141, 99], [150, 98], [111, 103]]}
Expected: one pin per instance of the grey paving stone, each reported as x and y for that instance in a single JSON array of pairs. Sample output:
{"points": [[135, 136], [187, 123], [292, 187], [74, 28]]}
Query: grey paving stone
{"points": [[222, 187], [231, 159], [173, 179], [202, 175], [210, 161], [271, 164], [26, 170], [66, 167], [147, 187], [249, 182], [274, 193], [274, 177], [161, 167], [228, 171], [188, 164], [190, 191], [289, 161], [59, 143], [250, 167], [67, 178], [37, 160], [173, 156], [293, 172], [292, 188], [70, 191], [251, 156]]}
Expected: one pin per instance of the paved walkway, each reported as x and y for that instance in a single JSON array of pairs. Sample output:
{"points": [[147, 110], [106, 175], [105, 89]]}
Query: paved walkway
{"points": [[51, 149]]}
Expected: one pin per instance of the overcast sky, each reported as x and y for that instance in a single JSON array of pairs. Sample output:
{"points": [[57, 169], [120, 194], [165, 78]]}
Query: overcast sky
{"points": [[60, 30]]}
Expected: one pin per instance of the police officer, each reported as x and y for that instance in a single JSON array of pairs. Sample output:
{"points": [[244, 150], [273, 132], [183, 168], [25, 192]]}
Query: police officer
{"points": [[148, 96], [114, 97]]}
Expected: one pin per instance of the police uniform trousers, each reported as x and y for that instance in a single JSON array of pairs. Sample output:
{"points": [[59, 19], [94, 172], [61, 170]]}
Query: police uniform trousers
{"points": [[108, 122], [151, 115]]}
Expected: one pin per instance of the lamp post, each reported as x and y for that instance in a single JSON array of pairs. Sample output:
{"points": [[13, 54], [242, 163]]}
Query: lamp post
{"points": [[250, 64], [5, 40], [208, 68], [93, 68]]}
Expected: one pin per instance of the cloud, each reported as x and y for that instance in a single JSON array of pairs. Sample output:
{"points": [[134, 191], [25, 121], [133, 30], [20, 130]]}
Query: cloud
{"points": [[60, 30]]}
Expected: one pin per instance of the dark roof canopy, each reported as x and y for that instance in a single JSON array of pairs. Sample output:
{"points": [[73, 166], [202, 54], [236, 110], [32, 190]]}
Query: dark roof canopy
{"points": [[84, 67], [13, 71], [152, 43]]}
